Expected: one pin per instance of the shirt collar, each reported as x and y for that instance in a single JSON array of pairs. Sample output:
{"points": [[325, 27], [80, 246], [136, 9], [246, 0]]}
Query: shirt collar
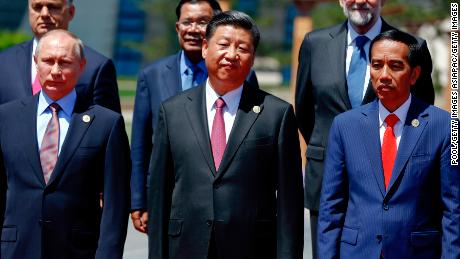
{"points": [[401, 112], [371, 34], [67, 102], [185, 63], [232, 98]]}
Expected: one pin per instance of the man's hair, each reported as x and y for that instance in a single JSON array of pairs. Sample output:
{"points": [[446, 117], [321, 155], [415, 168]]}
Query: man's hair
{"points": [[405, 38], [236, 19], [78, 47], [213, 3]]}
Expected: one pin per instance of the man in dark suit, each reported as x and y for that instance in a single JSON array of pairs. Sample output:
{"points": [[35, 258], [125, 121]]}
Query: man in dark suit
{"points": [[159, 81], [97, 84], [225, 180], [326, 89], [389, 188], [56, 156]]}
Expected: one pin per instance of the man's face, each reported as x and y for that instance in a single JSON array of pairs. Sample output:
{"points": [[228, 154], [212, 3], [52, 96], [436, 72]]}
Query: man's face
{"points": [[191, 26], [58, 65], [362, 12], [46, 15], [391, 74], [229, 56]]}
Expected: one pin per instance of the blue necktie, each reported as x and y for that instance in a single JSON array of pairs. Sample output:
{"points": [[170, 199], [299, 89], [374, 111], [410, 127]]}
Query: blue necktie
{"points": [[357, 72], [198, 76]]}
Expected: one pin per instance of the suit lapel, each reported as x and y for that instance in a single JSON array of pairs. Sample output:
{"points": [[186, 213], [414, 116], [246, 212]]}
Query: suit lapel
{"points": [[336, 48], [371, 134], [24, 59], [409, 138], [197, 117], [172, 77], [245, 118], [29, 136], [75, 133]]}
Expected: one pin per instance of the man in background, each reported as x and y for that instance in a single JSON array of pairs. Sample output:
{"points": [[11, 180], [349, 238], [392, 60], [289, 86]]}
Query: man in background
{"points": [[96, 85], [333, 77]]}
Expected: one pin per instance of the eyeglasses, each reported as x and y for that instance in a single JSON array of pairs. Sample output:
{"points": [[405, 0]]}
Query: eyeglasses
{"points": [[189, 24]]}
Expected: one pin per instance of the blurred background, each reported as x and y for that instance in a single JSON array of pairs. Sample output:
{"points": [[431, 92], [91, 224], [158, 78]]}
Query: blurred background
{"points": [[136, 32]]}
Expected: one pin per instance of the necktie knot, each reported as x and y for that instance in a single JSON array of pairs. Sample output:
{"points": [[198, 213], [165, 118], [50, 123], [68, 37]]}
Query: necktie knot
{"points": [[391, 120], [55, 108], [220, 103], [360, 41]]}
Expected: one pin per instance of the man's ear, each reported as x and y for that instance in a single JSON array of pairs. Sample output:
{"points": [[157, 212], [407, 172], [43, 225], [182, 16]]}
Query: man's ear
{"points": [[415, 74], [204, 48]]}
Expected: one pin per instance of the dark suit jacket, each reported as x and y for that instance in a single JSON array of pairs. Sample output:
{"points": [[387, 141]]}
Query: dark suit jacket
{"points": [[253, 204], [156, 83], [97, 83], [418, 215], [63, 219], [322, 93]]}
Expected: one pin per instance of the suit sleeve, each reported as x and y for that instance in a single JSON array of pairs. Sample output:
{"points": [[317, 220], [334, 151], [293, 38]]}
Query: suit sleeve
{"points": [[304, 101], [334, 197], [423, 88], [114, 221], [290, 190], [450, 193], [106, 87], [141, 144], [160, 187]]}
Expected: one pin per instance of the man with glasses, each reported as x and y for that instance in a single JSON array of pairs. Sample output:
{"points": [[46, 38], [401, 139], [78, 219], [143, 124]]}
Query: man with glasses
{"points": [[160, 80]]}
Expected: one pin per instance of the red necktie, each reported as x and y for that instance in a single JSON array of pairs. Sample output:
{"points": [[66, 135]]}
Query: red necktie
{"points": [[36, 86], [50, 143], [218, 139], [389, 148]]}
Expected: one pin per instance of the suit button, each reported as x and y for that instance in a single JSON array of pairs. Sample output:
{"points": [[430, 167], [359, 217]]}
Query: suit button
{"points": [[385, 206], [209, 222]]}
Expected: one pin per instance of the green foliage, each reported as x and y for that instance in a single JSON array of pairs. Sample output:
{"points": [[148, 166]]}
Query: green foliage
{"points": [[161, 38], [10, 38], [327, 14]]}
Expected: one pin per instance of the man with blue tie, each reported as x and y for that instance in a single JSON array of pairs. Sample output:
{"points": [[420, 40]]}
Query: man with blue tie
{"points": [[57, 155], [159, 81], [389, 190]]}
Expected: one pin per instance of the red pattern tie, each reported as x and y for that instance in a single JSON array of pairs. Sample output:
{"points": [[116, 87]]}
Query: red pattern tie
{"points": [[50, 143], [36, 86], [218, 138], [389, 148]]}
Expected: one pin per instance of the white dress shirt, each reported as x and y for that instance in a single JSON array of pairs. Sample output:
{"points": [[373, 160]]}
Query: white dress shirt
{"points": [[232, 101], [351, 36], [401, 112], [44, 115]]}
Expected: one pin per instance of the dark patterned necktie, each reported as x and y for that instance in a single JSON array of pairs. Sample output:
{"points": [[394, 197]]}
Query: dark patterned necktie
{"points": [[50, 143]]}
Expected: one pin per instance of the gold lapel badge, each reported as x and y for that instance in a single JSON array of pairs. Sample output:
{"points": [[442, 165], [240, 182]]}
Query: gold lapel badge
{"points": [[86, 118], [256, 109], [415, 123]]}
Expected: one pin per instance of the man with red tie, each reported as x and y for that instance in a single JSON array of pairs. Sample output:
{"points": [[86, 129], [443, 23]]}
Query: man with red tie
{"points": [[225, 177], [57, 155], [389, 190]]}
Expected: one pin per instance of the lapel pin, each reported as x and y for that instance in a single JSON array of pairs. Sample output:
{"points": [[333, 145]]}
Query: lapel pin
{"points": [[86, 118], [256, 109], [415, 123]]}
